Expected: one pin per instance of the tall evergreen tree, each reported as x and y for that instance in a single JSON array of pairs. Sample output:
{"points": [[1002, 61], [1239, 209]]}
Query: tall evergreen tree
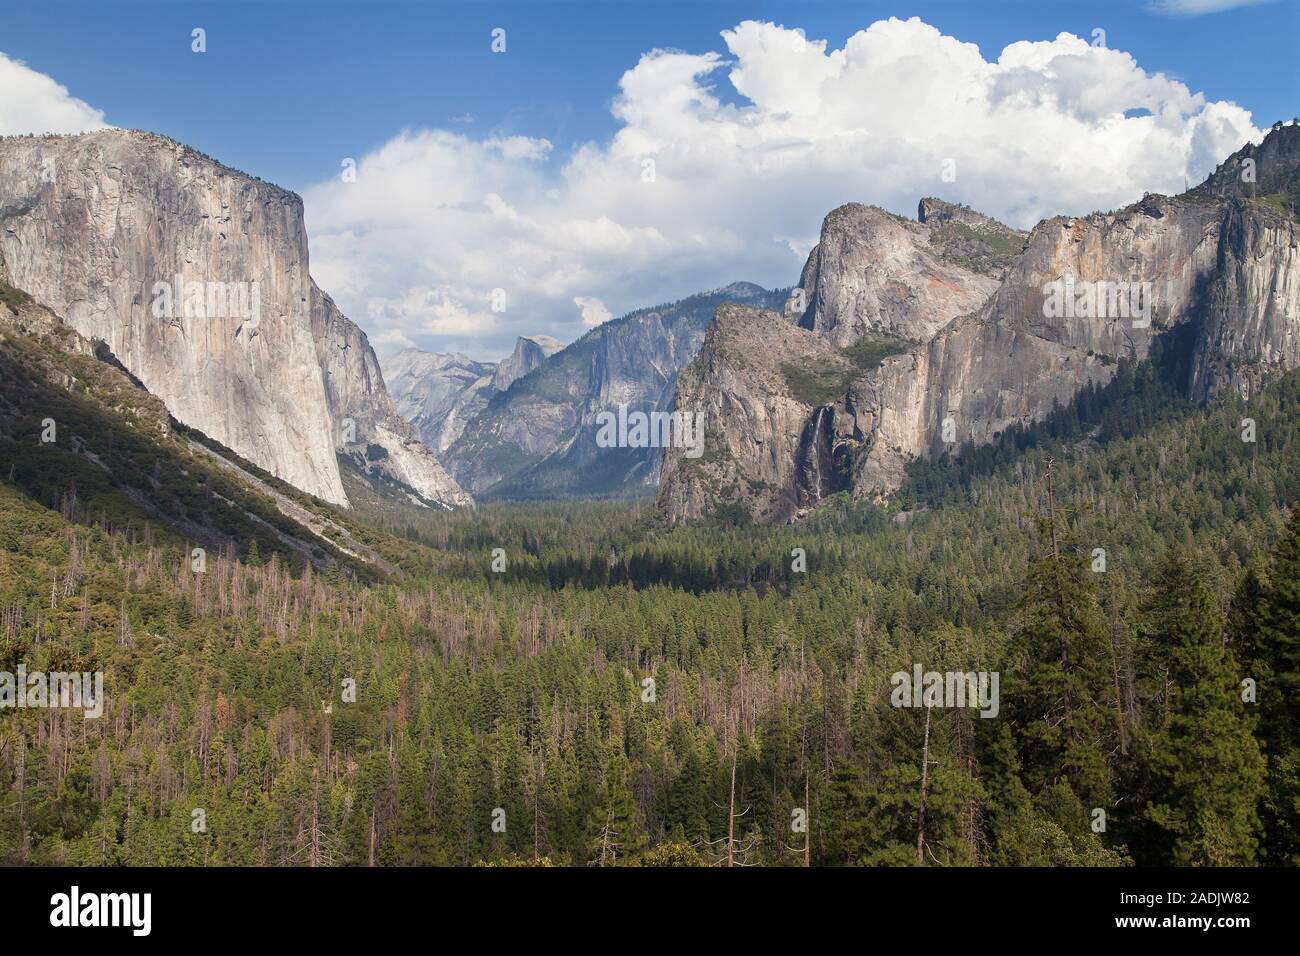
{"points": [[1266, 627], [1061, 695], [1205, 770], [616, 825]]}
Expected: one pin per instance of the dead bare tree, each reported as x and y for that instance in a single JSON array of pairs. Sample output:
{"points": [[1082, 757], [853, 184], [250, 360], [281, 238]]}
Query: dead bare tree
{"points": [[609, 845], [925, 782], [730, 857], [313, 841]]}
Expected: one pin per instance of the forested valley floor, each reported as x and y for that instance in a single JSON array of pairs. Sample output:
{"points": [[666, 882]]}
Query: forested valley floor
{"points": [[623, 693]]}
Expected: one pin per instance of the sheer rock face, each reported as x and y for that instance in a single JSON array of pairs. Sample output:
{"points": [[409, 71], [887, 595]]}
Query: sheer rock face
{"points": [[872, 271], [364, 417], [530, 352], [1224, 266], [538, 438], [438, 393], [1011, 361], [1252, 321], [765, 447], [112, 230]]}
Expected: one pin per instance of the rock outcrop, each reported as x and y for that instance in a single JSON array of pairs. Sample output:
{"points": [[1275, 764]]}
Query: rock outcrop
{"points": [[1222, 261], [440, 394], [768, 441], [538, 438], [196, 277], [874, 272]]}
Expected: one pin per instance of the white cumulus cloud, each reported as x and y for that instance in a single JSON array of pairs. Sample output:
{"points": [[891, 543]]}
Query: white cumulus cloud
{"points": [[698, 187], [592, 310], [31, 102]]}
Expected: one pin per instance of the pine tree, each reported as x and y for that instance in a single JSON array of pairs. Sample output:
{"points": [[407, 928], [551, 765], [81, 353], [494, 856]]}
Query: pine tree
{"points": [[1205, 770], [615, 826], [1266, 627], [1062, 695], [1277, 637]]}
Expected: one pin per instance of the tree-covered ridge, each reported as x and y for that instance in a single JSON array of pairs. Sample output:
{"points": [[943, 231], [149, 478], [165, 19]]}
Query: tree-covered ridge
{"points": [[81, 435], [518, 698]]}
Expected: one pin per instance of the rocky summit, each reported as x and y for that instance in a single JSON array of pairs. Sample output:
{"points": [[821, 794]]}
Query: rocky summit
{"points": [[873, 272], [441, 393]]}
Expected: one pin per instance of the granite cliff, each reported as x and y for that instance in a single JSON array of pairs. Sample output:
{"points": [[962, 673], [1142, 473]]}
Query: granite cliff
{"points": [[196, 277], [538, 437], [1221, 262], [874, 272], [440, 394]]}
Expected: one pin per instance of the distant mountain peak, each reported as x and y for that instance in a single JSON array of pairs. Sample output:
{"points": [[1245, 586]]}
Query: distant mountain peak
{"points": [[440, 392], [530, 351], [538, 437], [742, 289]]}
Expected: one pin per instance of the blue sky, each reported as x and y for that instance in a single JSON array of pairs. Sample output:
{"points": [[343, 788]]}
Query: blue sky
{"points": [[289, 88]]}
